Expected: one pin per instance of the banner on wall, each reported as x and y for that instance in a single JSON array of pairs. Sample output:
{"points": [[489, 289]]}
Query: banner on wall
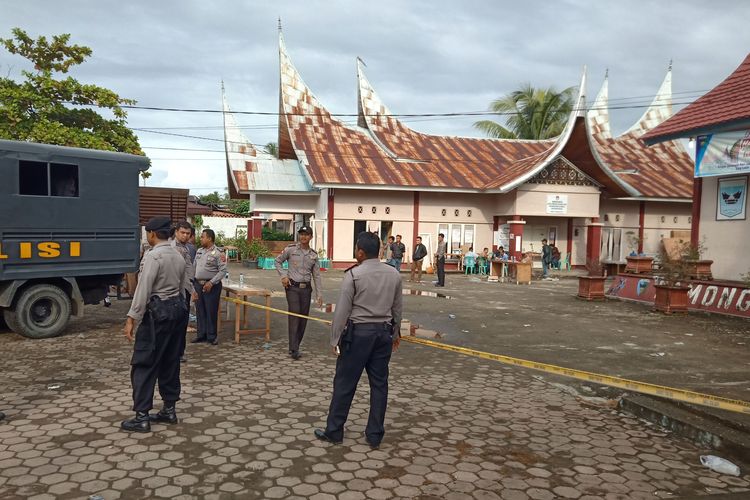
{"points": [[730, 198], [502, 236], [557, 203], [722, 154]]}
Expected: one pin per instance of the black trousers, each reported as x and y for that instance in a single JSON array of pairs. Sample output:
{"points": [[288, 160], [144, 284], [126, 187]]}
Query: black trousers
{"points": [[298, 301], [183, 335], [207, 310], [156, 357], [441, 270], [368, 347]]}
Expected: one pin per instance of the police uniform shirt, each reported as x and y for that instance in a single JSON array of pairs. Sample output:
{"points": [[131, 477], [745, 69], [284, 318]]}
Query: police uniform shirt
{"points": [[164, 275], [370, 293], [303, 266], [183, 250], [209, 266]]}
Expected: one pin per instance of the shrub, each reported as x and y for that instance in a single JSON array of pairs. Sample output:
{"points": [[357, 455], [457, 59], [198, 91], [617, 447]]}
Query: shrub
{"points": [[271, 235]]}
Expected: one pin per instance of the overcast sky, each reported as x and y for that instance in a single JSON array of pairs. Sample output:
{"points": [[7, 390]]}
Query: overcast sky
{"points": [[430, 56]]}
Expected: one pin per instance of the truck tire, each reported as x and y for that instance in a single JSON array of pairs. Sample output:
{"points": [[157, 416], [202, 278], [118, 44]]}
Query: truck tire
{"points": [[41, 312]]}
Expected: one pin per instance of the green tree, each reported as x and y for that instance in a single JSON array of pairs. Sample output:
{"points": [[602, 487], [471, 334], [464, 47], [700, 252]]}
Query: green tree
{"points": [[47, 107], [223, 201], [530, 113], [272, 148]]}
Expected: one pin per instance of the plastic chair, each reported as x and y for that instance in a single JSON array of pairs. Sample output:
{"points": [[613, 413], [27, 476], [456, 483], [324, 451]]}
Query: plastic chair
{"points": [[469, 262], [565, 263], [484, 266]]}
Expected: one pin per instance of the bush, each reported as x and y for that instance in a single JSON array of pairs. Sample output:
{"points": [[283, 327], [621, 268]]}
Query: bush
{"points": [[271, 235]]}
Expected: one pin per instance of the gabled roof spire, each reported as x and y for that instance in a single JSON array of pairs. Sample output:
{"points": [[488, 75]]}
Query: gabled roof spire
{"points": [[598, 114], [659, 110]]}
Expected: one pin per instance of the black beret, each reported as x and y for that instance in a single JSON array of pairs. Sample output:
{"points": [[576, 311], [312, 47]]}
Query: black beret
{"points": [[305, 229], [162, 224]]}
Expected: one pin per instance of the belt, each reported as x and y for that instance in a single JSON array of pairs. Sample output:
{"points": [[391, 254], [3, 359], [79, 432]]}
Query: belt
{"points": [[372, 327], [202, 282], [299, 284]]}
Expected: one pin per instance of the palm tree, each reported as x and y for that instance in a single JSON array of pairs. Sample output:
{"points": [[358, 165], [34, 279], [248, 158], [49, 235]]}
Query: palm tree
{"points": [[530, 113], [272, 149]]}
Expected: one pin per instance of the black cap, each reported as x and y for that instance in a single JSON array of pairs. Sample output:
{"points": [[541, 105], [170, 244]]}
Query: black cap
{"points": [[159, 224], [305, 229]]}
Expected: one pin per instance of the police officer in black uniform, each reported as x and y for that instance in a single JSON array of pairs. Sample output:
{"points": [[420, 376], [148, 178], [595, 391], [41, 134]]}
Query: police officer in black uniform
{"points": [[366, 329], [303, 270], [159, 305], [182, 233]]}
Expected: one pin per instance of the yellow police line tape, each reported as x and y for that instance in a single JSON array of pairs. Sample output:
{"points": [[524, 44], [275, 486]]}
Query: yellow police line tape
{"points": [[733, 405]]}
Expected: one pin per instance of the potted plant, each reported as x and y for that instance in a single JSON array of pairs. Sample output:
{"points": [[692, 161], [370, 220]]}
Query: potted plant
{"points": [[591, 287], [697, 267], [637, 262], [671, 280], [253, 250]]}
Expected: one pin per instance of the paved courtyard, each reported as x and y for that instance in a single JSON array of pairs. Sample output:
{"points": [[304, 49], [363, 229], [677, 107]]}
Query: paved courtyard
{"points": [[457, 427]]}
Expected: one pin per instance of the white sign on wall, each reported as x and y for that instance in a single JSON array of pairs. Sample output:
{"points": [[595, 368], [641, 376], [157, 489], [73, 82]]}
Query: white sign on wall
{"points": [[557, 203], [502, 236]]}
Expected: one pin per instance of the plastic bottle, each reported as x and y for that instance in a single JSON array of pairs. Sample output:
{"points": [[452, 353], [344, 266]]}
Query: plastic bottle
{"points": [[226, 278], [720, 465], [242, 280]]}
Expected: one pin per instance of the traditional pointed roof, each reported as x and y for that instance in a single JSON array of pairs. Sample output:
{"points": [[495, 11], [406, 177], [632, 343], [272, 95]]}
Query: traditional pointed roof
{"points": [[664, 172], [725, 107], [382, 152], [251, 170]]}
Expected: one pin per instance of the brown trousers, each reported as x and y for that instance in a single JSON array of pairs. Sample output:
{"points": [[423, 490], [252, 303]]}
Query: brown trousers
{"points": [[416, 266]]}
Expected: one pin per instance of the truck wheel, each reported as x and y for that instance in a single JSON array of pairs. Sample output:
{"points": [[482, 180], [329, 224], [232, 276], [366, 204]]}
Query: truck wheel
{"points": [[42, 311]]}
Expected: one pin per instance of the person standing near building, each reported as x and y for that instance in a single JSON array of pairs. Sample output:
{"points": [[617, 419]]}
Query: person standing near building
{"points": [[387, 252], [190, 245], [442, 249], [297, 280], [420, 252], [398, 250], [159, 306], [181, 237], [210, 269], [366, 330], [546, 257]]}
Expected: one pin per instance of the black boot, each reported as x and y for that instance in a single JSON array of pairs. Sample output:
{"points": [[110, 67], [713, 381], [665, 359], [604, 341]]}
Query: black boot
{"points": [[2, 416], [141, 423], [166, 415]]}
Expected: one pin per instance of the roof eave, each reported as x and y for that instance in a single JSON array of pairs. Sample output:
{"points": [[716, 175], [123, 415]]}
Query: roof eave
{"points": [[651, 139]]}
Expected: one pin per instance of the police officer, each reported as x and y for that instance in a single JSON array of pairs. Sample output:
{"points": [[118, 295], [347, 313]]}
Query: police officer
{"points": [[159, 305], [303, 269], [210, 269], [366, 329], [180, 241]]}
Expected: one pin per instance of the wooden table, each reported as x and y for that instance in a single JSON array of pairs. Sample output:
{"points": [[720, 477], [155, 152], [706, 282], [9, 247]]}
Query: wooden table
{"points": [[522, 272], [498, 270], [240, 310]]}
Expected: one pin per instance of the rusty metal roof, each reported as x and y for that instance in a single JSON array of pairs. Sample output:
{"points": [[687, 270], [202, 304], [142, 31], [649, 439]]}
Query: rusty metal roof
{"points": [[723, 107], [381, 151], [663, 171], [254, 170]]}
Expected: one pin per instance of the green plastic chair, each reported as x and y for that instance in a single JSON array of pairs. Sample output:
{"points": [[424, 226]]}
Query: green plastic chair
{"points": [[469, 262]]}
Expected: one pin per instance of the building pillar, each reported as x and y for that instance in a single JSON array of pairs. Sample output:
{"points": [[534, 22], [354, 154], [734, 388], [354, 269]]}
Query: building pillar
{"points": [[641, 225], [593, 240], [570, 239], [495, 227], [415, 216], [516, 236], [696, 214], [255, 227], [329, 244]]}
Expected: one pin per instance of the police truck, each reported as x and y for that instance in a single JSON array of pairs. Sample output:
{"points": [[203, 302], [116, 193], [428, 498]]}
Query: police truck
{"points": [[68, 230]]}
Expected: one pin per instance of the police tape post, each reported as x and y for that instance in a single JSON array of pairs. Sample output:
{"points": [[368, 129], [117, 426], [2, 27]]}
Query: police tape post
{"points": [[733, 405]]}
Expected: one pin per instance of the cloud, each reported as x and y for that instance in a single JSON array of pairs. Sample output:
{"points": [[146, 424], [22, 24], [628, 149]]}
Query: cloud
{"points": [[422, 57]]}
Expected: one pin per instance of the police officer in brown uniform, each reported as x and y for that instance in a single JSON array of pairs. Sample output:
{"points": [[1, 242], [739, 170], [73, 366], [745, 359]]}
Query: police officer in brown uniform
{"points": [[366, 329], [210, 269], [181, 236], [303, 270], [159, 305]]}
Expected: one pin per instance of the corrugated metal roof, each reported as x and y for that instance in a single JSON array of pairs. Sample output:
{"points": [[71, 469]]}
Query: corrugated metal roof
{"points": [[253, 170], [725, 104], [664, 171]]}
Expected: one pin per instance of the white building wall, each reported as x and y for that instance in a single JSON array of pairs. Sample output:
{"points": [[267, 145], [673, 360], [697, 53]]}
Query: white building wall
{"points": [[226, 225], [726, 242]]}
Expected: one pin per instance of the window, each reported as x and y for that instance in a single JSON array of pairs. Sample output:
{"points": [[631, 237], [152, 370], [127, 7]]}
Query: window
{"points": [[42, 179], [32, 178], [360, 226], [611, 244], [457, 235]]}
